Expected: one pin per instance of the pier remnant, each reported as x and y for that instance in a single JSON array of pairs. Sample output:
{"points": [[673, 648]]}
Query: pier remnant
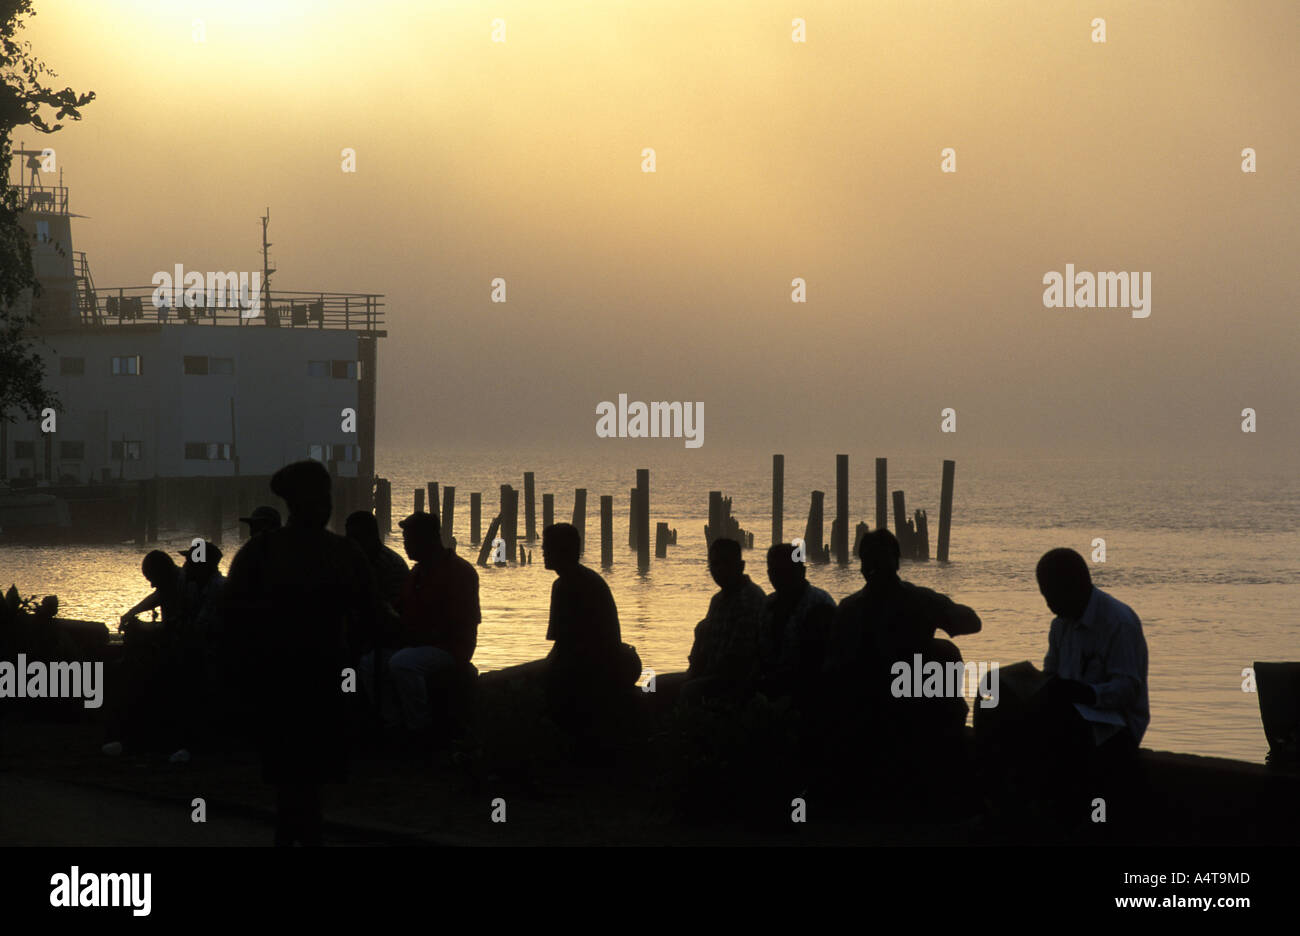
{"points": [[448, 515], [419, 500], [840, 533], [643, 518], [778, 498], [815, 547], [548, 510], [945, 509], [882, 486], [433, 497], [606, 530], [580, 518], [530, 508]]}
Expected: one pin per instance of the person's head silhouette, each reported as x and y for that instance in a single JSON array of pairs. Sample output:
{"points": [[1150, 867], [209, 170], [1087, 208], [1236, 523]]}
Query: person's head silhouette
{"points": [[879, 552], [725, 563], [305, 488], [561, 547], [421, 536], [1065, 582], [159, 568], [362, 528], [783, 571]]}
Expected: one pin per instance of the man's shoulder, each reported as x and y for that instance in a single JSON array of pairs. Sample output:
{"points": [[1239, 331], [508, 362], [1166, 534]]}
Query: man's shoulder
{"points": [[853, 602], [1117, 610], [463, 567], [819, 597], [392, 557]]}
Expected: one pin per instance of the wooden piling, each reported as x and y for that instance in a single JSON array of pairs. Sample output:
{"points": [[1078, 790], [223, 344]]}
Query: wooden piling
{"points": [[580, 518], [530, 508], [548, 510], [714, 529], [384, 505], [643, 518], [922, 536], [778, 498], [840, 539], [661, 539], [900, 522], [606, 530], [419, 500], [813, 532], [486, 548], [509, 518], [882, 486], [433, 496], [632, 524], [475, 517], [448, 516], [945, 509]]}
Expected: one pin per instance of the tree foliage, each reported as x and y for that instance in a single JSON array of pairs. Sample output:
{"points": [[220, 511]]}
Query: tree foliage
{"points": [[25, 101]]}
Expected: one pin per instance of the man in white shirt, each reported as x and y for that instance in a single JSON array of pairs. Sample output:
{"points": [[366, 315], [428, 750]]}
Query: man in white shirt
{"points": [[1096, 650]]}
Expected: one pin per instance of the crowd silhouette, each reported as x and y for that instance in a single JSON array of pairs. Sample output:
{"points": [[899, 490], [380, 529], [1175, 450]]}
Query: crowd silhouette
{"points": [[275, 651]]}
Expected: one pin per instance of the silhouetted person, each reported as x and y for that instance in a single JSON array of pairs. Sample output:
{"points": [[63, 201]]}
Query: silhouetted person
{"points": [[1073, 735], [167, 580], [439, 629], [141, 677], [1095, 647], [584, 668], [295, 595], [879, 633], [261, 520], [389, 568], [192, 663], [795, 627], [724, 656]]}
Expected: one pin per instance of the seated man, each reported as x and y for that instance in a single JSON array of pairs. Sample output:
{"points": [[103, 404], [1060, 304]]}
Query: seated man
{"points": [[879, 631], [794, 628], [439, 625], [1073, 732], [585, 668], [724, 657]]}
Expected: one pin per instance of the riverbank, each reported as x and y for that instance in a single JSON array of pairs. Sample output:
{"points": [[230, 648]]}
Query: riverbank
{"points": [[547, 801]]}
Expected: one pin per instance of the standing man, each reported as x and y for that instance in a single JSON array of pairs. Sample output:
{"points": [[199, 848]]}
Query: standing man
{"points": [[295, 596]]}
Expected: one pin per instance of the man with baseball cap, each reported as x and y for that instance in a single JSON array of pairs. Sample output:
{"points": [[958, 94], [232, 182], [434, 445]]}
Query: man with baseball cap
{"points": [[262, 519]]}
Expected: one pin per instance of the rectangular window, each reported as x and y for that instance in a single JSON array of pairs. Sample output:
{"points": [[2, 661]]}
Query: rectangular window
{"points": [[339, 369], [196, 364], [24, 449], [133, 451], [127, 365], [223, 366], [72, 451], [43, 231], [72, 366], [316, 452], [207, 451], [318, 368]]}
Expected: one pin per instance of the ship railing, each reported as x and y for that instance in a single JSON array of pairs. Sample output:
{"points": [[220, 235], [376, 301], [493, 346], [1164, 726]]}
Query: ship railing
{"points": [[52, 199], [143, 305]]}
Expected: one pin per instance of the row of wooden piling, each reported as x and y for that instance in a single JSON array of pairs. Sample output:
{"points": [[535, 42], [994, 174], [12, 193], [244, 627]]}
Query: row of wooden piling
{"points": [[913, 533]]}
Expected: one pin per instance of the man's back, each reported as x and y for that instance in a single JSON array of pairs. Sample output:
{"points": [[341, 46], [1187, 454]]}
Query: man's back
{"points": [[893, 623], [726, 641], [584, 618], [440, 606]]}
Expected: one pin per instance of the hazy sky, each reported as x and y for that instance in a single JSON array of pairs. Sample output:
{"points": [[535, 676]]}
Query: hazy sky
{"points": [[775, 159]]}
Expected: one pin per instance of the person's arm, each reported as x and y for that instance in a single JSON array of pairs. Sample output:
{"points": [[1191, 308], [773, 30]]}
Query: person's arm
{"points": [[153, 600], [1052, 659], [1125, 669]]}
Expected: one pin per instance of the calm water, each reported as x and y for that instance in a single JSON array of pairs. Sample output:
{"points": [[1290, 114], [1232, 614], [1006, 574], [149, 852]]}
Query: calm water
{"points": [[1204, 552]]}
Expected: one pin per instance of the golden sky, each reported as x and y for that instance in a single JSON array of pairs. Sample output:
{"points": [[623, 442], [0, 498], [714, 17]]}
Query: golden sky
{"points": [[775, 160]]}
